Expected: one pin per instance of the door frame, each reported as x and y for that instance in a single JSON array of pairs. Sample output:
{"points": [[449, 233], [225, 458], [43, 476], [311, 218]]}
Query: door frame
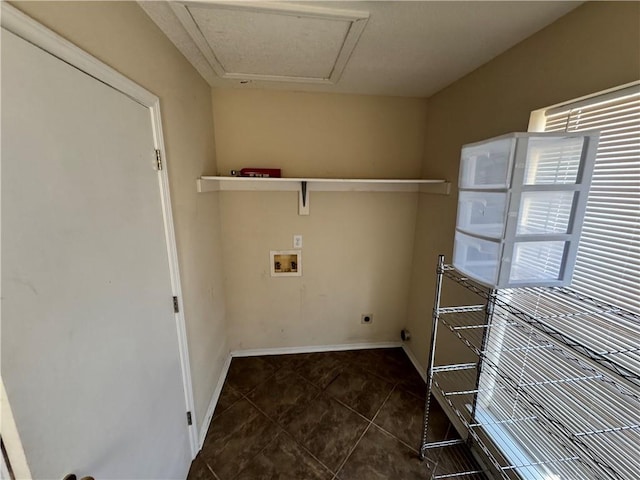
{"points": [[28, 29]]}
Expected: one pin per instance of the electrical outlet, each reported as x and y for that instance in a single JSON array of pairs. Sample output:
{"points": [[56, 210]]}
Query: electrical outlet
{"points": [[366, 318], [297, 241]]}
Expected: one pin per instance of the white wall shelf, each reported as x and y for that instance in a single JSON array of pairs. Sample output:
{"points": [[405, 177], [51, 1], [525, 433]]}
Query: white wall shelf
{"points": [[216, 183], [305, 185]]}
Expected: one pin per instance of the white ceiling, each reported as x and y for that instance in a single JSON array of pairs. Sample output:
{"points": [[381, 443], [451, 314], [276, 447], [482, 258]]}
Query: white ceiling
{"points": [[405, 48]]}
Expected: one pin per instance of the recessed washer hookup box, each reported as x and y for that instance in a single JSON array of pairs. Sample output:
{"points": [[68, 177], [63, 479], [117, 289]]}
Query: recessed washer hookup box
{"points": [[286, 263]]}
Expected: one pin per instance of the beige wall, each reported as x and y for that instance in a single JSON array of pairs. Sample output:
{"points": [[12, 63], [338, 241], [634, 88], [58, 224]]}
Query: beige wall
{"points": [[595, 47], [122, 36], [357, 247], [319, 134]]}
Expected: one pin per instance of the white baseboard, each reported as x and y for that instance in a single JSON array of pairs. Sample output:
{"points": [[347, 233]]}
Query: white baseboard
{"points": [[422, 371], [214, 400], [313, 349]]}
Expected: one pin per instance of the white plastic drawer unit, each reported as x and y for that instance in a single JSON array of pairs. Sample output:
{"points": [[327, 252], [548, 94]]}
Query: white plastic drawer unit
{"points": [[520, 207]]}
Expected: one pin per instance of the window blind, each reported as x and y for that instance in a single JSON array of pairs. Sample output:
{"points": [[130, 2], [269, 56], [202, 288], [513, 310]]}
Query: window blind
{"points": [[602, 419], [608, 258]]}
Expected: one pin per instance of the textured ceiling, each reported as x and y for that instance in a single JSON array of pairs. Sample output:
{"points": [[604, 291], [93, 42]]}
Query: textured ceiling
{"points": [[406, 48], [271, 44], [272, 41]]}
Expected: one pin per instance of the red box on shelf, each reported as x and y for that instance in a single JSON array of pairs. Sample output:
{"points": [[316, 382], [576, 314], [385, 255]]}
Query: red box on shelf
{"points": [[261, 172]]}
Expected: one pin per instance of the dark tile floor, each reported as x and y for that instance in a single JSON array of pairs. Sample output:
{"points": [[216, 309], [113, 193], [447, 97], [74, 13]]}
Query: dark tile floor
{"points": [[352, 415]]}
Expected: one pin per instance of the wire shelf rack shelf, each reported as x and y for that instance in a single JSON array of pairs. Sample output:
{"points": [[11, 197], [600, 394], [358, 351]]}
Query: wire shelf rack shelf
{"points": [[550, 396]]}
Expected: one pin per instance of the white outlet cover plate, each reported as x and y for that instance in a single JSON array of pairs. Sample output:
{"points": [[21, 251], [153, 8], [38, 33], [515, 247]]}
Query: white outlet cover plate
{"points": [[297, 241]]}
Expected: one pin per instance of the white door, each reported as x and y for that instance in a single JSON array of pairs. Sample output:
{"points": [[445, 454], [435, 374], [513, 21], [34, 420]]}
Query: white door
{"points": [[90, 355]]}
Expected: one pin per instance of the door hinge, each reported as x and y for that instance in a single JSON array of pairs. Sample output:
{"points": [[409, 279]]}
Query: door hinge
{"points": [[176, 306], [158, 160], [189, 420]]}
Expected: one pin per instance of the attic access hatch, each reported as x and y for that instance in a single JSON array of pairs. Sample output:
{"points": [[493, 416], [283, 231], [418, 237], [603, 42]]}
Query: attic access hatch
{"points": [[272, 41]]}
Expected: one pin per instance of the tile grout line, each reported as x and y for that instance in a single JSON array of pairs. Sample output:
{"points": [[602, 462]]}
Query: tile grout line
{"points": [[260, 384], [370, 422], [268, 443], [244, 396], [283, 430], [215, 475], [395, 437], [258, 453], [324, 390], [435, 464], [231, 405], [383, 404], [351, 450], [397, 385], [277, 369], [306, 450]]}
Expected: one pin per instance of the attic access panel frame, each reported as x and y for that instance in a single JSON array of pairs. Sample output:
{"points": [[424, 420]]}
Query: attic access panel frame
{"points": [[357, 22]]}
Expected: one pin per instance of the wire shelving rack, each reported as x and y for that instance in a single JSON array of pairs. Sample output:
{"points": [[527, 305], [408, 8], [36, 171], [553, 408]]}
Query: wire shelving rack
{"points": [[555, 392]]}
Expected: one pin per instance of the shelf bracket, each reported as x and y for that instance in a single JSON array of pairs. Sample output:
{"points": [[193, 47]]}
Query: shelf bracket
{"points": [[303, 199]]}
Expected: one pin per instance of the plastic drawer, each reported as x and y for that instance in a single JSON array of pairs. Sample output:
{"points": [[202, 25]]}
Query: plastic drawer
{"points": [[553, 160], [537, 262], [477, 257], [531, 262], [487, 165], [543, 213], [482, 213]]}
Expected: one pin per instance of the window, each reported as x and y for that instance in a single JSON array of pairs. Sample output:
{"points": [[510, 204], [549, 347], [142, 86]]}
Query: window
{"points": [[608, 259], [598, 419]]}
